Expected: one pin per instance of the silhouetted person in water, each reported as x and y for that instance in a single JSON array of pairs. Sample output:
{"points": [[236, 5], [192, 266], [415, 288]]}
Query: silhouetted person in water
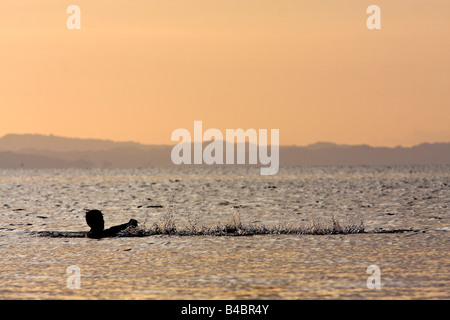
{"points": [[94, 219]]}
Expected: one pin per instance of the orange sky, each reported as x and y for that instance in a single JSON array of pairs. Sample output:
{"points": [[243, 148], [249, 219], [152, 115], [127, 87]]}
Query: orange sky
{"points": [[137, 70]]}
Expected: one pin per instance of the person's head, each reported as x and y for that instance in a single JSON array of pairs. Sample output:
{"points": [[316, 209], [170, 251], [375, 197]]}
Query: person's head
{"points": [[94, 219]]}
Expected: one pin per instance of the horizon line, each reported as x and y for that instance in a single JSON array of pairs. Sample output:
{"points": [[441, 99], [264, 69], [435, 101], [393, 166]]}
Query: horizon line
{"points": [[207, 141]]}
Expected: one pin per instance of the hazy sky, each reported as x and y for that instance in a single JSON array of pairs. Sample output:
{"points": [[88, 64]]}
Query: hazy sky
{"points": [[137, 70]]}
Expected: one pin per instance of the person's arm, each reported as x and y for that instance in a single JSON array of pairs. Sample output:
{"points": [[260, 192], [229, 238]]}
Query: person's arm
{"points": [[113, 231]]}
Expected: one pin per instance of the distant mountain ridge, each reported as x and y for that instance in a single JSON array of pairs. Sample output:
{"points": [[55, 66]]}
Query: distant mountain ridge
{"points": [[40, 151], [20, 142]]}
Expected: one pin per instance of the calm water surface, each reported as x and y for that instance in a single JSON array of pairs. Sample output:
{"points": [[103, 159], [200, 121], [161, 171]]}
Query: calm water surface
{"points": [[413, 264]]}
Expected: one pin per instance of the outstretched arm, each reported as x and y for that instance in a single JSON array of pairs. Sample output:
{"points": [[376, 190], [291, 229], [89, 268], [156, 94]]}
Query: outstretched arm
{"points": [[113, 231]]}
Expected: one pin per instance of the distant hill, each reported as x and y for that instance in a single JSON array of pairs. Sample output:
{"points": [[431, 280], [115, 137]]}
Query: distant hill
{"points": [[23, 142], [40, 151], [426, 153]]}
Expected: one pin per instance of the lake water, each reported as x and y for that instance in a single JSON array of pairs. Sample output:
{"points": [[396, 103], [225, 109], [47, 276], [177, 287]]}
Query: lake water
{"points": [[413, 264]]}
